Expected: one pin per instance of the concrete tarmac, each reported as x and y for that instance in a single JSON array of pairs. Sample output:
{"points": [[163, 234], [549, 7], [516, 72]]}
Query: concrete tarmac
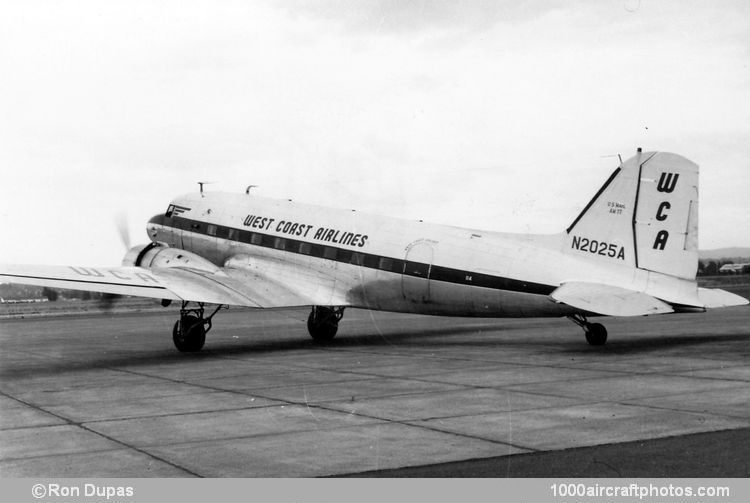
{"points": [[392, 395]]}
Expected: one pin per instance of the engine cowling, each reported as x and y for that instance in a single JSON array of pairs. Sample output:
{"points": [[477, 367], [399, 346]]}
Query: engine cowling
{"points": [[157, 255], [134, 256]]}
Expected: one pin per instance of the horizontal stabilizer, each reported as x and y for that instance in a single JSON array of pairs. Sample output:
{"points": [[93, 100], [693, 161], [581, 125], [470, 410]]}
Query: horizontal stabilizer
{"points": [[716, 297], [608, 300]]}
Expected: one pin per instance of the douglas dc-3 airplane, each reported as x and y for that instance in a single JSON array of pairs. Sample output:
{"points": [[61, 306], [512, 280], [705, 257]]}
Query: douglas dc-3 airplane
{"points": [[632, 251]]}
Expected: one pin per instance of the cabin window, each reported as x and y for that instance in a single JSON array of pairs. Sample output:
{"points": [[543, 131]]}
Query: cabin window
{"points": [[372, 261], [211, 230], [234, 234], [256, 238], [416, 269], [268, 241], [279, 243], [329, 253], [386, 264], [305, 248], [344, 255]]}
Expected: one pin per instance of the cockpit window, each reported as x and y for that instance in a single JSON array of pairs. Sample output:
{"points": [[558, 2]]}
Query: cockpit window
{"points": [[175, 210]]}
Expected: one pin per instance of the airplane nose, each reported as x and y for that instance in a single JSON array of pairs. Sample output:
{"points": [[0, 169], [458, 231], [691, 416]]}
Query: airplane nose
{"points": [[152, 228]]}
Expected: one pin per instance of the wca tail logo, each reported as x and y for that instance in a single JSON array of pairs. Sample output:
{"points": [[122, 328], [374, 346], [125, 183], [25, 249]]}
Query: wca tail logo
{"points": [[667, 183]]}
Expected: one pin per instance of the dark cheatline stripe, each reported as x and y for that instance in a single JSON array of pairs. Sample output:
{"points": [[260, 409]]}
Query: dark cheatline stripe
{"points": [[347, 256], [81, 281]]}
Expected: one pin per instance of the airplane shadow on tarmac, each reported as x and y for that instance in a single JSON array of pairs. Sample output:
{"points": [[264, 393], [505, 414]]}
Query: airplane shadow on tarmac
{"points": [[410, 338], [656, 343]]}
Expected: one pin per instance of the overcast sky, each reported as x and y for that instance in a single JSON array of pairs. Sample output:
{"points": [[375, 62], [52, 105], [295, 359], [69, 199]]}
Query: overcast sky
{"points": [[502, 115]]}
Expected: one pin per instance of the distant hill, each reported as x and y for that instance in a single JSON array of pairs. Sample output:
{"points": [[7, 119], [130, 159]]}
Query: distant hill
{"points": [[727, 253]]}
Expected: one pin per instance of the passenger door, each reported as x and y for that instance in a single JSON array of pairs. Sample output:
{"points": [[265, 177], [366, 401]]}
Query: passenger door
{"points": [[415, 279]]}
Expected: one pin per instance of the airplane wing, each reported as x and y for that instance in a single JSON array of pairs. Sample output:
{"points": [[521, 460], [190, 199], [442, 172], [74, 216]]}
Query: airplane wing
{"points": [[244, 283], [609, 300], [117, 280]]}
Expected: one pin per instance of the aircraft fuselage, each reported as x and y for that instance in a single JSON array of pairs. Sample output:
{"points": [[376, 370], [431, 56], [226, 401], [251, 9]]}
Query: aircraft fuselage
{"points": [[378, 262]]}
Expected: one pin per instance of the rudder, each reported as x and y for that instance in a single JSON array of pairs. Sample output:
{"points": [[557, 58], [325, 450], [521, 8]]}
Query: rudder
{"points": [[666, 217]]}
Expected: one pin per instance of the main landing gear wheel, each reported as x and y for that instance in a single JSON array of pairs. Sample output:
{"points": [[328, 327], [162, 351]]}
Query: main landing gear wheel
{"points": [[189, 332], [323, 322], [596, 333]]}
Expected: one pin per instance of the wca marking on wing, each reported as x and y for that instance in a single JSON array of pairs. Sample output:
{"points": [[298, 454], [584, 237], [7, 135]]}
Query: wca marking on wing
{"points": [[96, 273]]}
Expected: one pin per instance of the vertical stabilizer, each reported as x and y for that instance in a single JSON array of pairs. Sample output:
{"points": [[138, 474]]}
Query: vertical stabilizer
{"points": [[645, 215]]}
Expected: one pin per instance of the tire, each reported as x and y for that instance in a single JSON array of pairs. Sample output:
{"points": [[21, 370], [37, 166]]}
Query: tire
{"points": [[322, 324], [596, 334], [194, 336]]}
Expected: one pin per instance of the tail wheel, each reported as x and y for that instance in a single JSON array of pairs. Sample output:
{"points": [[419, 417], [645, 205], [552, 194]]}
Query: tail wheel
{"points": [[189, 333], [596, 334], [323, 323]]}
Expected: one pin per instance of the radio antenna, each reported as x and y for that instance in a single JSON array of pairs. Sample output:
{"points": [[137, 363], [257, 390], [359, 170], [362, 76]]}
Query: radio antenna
{"points": [[201, 184]]}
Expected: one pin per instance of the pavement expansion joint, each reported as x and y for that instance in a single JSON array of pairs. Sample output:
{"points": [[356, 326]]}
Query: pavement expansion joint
{"points": [[37, 426], [711, 413], [255, 436], [142, 451], [475, 437], [82, 426], [175, 414], [60, 454], [411, 424]]}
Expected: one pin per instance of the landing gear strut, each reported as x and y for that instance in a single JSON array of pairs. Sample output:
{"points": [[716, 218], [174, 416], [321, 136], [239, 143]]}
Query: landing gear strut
{"points": [[323, 322], [596, 334], [189, 332]]}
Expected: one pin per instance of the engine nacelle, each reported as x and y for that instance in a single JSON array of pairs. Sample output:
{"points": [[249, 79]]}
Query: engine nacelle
{"points": [[134, 256], [157, 255]]}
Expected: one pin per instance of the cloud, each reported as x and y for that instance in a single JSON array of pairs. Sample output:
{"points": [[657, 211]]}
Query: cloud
{"points": [[490, 114], [409, 16]]}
